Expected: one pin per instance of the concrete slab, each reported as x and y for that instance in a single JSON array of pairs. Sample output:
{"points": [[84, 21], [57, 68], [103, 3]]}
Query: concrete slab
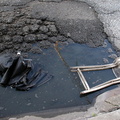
{"points": [[115, 115], [108, 101]]}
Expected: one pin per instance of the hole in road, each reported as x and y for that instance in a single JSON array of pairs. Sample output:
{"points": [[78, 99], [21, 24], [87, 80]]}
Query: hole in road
{"points": [[64, 89]]}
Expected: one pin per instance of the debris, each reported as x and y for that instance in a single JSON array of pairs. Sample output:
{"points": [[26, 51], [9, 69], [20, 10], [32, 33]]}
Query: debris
{"points": [[80, 69], [110, 50], [20, 73], [113, 56], [105, 60], [28, 104], [36, 95]]}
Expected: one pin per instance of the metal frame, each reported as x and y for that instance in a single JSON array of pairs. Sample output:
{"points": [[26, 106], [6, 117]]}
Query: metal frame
{"points": [[80, 69]]}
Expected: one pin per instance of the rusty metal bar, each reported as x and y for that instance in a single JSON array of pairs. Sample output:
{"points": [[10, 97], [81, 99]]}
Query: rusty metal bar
{"points": [[79, 70], [84, 82]]}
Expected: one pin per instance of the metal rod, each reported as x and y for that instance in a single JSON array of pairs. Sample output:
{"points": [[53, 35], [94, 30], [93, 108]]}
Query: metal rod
{"points": [[85, 84], [92, 68], [101, 86]]}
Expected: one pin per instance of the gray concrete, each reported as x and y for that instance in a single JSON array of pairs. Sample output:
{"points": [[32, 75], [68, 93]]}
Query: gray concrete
{"points": [[109, 14], [108, 101], [115, 115]]}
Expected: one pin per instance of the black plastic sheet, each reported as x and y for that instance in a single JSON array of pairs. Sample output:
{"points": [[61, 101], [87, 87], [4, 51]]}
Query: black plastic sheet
{"points": [[16, 72]]}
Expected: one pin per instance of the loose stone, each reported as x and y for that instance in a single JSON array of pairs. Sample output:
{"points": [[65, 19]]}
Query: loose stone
{"points": [[49, 23], [36, 50], [33, 21], [18, 39], [45, 44], [26, 46], [4, 28], [42, 37], [113, 56], [104, 45], [52, 28], [30, 38], [1, 39], [16, 47], [2, 47], [39, 22], [34, 28], [8, 45], [61, 38], [43, 29], [19, 23], [110, 50], [27, 21], [26, 29], [9, 20], [105, 60], [70, 40], [12, 31], [6, 38], [19, 31], [68, 35], [53, 39]]}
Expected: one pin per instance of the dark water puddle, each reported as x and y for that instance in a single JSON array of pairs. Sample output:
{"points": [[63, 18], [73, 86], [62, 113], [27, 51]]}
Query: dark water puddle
{"points": [[64, 89]]}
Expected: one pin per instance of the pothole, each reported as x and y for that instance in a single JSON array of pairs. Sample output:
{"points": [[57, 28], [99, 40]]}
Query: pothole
{"points": [[35, 32]]}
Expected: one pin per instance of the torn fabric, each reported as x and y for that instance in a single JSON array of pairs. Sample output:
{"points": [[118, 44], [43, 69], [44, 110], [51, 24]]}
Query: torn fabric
{"points": [[16, 72]]}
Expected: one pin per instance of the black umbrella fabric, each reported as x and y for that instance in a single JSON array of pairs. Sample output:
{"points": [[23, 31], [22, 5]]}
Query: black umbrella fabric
{"points": [[16, 72]]}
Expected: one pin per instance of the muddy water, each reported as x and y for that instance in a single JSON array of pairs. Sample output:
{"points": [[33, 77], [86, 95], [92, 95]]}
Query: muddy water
{"points": [[63, 90]]}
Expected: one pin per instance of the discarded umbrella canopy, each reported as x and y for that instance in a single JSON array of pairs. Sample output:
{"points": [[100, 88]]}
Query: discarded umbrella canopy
{"points": [[20, 73]]}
